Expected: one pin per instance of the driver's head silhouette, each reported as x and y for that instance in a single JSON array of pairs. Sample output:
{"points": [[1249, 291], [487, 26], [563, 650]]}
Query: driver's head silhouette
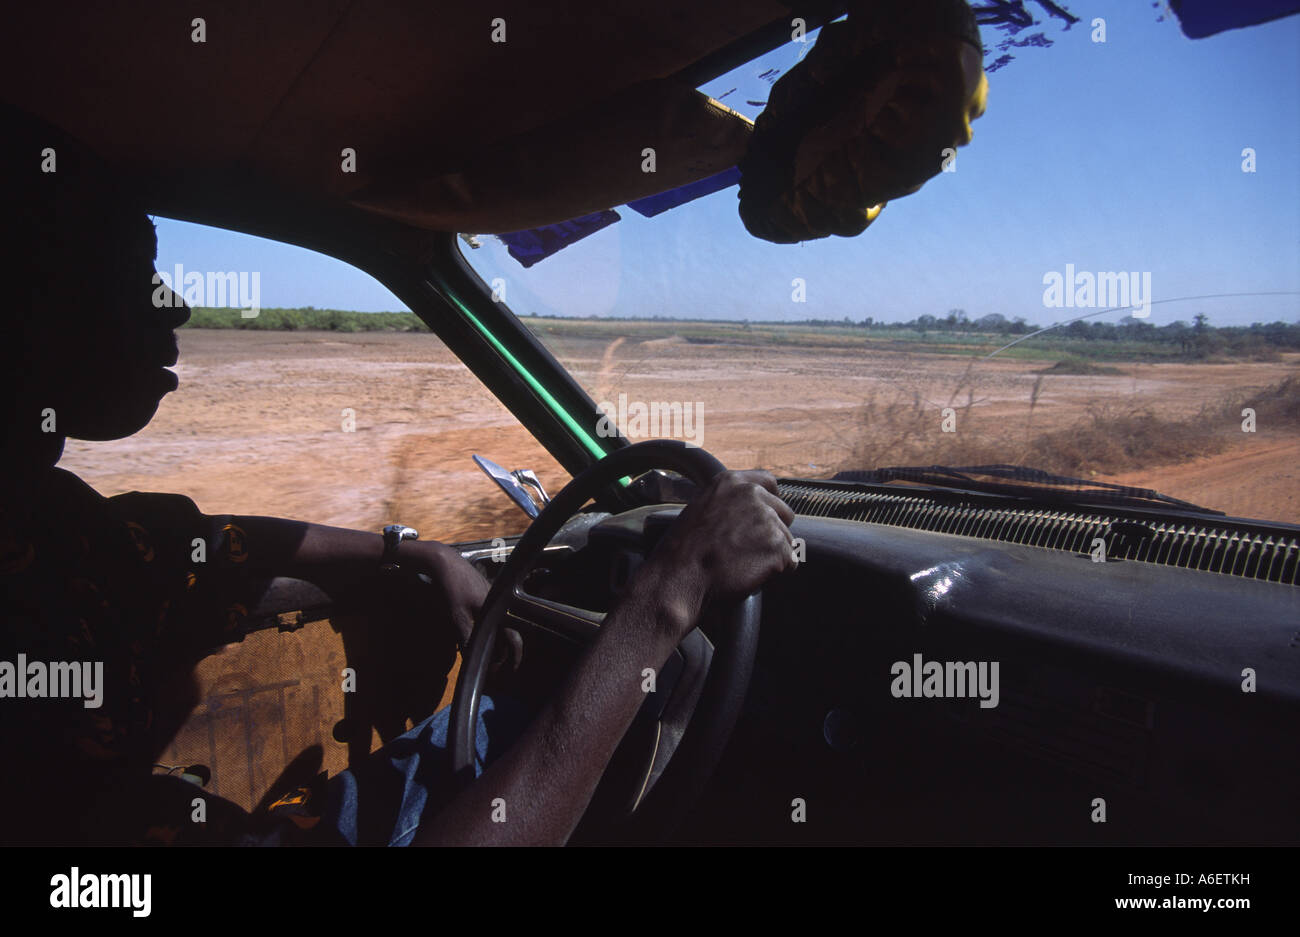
{"points": [[88, 334]]}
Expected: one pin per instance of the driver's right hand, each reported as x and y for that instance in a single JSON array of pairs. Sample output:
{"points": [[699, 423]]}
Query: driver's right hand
{"points": [[730, 539]]}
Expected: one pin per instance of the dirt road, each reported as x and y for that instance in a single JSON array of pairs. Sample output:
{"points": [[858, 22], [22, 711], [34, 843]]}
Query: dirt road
{"points": [[1256, 478]]}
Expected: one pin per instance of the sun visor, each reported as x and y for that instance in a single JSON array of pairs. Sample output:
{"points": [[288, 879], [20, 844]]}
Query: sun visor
{"points": [[652, 138]]}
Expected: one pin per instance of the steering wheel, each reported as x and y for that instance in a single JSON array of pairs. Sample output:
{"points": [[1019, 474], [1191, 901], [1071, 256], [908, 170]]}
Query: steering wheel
{"points": [[728, 651]]}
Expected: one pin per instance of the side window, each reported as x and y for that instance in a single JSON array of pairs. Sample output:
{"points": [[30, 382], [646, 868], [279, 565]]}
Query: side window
{"points": [[308, 391]]}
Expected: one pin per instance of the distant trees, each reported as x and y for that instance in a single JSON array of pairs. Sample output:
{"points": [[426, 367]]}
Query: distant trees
{"points": [[1178, 333], [1200, 339], [306, 318]]}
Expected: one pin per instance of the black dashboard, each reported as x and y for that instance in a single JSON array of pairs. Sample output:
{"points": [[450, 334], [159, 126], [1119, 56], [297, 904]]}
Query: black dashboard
{"points": [[914, 686]]}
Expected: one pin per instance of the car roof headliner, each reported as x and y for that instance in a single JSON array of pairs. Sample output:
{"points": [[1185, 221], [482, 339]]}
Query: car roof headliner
{"points": [[417, 90]]}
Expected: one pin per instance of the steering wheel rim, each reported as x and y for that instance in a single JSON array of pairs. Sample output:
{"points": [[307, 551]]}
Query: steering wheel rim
{"points": [[719, 704]]}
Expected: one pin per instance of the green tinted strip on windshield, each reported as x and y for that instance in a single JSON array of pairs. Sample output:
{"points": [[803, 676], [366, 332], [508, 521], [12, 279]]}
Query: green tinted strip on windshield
{"points": [[565, 417]]}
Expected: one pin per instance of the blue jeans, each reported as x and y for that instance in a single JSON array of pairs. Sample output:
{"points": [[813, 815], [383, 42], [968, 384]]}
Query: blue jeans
{"points": [[382, 800]]}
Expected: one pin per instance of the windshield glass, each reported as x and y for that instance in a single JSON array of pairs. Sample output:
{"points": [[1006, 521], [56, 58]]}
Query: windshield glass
{"points": [[1128, 185]]}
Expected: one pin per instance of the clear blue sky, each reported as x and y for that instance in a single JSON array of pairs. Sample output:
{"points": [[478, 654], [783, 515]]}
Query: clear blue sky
{"points": [[1123, 155]]}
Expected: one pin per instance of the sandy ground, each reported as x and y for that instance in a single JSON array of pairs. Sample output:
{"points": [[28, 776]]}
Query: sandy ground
{"points": [[1259, 478], [256, 428]]}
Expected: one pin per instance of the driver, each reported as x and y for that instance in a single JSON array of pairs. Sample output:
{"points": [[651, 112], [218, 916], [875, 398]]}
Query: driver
{"points": [[106, 610]]}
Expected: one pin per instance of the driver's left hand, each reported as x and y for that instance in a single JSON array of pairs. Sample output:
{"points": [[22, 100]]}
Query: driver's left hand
{"points": [[401, 631], [456, 589], [454, 594]]}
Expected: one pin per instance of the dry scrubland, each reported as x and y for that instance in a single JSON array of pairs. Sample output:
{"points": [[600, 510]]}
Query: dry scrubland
{"points": [[256, 424]]}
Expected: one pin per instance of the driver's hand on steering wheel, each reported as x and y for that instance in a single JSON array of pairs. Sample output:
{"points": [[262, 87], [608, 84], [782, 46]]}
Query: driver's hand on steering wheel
{"points": [[458, 594], [459, 588], [731, 538]]}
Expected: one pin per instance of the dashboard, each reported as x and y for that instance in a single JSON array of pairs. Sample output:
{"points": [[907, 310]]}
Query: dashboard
{"points": [[914, 686]]}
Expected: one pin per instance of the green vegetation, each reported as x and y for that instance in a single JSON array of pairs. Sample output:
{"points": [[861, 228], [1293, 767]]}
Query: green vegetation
{"points": [[1073, 364], [1073, 347], [307, 319]]}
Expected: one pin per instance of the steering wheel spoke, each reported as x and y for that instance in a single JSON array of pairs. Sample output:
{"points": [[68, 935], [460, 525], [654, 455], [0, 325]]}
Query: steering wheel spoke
{"points": [[579, 625]]}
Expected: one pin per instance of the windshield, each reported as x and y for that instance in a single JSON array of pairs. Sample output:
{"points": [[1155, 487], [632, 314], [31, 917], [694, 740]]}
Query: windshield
{"points": [[1128, 185]]}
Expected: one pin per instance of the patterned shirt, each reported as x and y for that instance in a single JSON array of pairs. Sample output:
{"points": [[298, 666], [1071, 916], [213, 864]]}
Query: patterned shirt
{"points": [[111, 602]]}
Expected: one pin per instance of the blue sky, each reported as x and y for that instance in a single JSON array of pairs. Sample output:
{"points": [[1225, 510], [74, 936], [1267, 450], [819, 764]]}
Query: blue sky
{"points": [[1115, 156]]}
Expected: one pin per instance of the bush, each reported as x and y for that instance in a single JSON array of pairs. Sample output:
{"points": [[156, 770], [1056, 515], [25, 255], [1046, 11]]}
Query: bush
{"points": [[1072, 364], [306, 319]]}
